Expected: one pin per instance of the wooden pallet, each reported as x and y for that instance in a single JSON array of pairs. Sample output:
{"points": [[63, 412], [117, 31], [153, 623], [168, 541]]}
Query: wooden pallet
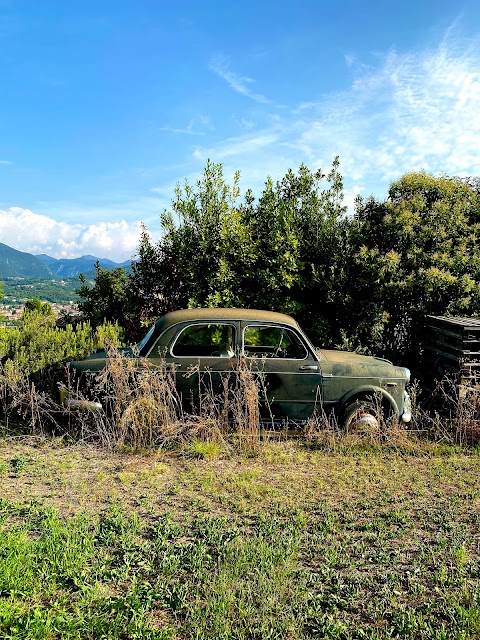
{"points": [[453, 349]]}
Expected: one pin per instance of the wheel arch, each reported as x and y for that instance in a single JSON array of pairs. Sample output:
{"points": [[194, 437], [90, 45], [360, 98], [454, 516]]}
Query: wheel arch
{"points": [[366, 392]]}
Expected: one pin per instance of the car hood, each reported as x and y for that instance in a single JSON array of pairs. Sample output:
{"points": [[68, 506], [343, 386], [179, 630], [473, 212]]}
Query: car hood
{"points": [[97, 360], [344, 363]]}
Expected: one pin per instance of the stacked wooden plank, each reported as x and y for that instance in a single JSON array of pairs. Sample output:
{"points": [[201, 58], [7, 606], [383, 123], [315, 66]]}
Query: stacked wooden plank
{"points": [[452, 350]]}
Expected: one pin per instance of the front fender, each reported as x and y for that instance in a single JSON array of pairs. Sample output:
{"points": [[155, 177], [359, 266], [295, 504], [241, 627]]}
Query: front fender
{"points": [[368, 390]]}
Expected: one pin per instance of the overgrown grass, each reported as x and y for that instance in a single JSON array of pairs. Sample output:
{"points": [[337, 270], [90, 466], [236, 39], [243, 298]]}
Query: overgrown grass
{"points": [[143, 408], [295, 542]]}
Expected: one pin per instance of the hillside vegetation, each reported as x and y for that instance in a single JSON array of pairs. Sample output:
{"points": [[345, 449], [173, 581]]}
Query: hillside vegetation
{"points": [[21, 289], [19, 264], [15, 263]]}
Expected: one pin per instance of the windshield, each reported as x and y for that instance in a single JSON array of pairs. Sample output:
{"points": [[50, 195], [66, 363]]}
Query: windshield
{"points": [[145, 339]]}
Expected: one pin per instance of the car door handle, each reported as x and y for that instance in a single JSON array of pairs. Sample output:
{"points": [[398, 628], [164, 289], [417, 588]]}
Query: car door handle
{"points": [[173, 365], [309, 367]]}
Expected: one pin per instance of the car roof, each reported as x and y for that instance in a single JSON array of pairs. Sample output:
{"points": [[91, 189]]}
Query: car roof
{"points": [[189, 315]]}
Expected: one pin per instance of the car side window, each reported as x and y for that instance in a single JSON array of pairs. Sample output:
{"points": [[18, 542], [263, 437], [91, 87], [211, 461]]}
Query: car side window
{"points": [[268, 341], [212, 340]]}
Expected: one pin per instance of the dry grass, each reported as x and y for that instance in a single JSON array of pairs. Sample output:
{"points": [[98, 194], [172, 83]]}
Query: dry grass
{"points": [[282, 473], [144, 410], [142, 407], [450, 413]]}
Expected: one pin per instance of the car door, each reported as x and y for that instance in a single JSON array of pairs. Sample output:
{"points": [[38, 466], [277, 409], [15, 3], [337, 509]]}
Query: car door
{"points": [[203, 354], [287, 369]]}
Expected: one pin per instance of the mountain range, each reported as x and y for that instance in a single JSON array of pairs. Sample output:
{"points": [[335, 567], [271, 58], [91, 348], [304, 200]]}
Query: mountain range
{"points": [[18, 264]]}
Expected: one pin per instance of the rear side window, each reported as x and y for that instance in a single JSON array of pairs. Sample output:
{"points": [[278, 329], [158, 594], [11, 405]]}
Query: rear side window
{"points": [[212, 340], [268, 341]]}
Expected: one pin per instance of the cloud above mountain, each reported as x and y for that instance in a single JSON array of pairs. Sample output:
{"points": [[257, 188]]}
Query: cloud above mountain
{"points": [[35, 233]]}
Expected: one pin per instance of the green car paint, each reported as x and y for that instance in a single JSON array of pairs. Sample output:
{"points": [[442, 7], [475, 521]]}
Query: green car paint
{"points": [[298, 379]]}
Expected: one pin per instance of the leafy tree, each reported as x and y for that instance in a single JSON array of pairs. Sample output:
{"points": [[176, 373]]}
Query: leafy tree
{"points": [[310, 225], [35, 305], [283, 252], [107, 298], [154, 286], [189, 265], [413, 255], [200, 241]]}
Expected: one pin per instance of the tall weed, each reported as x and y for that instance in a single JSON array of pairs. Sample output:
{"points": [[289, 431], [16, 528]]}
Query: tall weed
{"points": [[32, 360], [450, 413], [143, 408]]}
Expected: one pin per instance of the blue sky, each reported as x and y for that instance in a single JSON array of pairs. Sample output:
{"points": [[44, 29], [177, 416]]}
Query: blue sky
{"points": [[106, 105]]}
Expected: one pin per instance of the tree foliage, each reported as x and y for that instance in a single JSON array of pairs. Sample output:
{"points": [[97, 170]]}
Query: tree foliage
{"points": [[35, 305], [283, 252], [107, 298], [365, 281], [38, 349], [415, 254]]}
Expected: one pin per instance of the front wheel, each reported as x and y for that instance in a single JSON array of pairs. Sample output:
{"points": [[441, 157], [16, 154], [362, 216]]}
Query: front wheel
{"points": [[362, 417]]}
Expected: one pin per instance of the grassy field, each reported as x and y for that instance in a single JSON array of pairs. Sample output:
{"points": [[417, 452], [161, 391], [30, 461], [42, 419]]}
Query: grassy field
{"points": [[353, 541]]}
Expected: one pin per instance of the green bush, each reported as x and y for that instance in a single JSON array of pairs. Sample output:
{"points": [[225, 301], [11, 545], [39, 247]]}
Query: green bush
{"points": [[38, 349]]}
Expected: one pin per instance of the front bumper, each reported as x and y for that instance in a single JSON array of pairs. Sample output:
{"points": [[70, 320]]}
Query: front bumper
{"points": [[73, 403]]}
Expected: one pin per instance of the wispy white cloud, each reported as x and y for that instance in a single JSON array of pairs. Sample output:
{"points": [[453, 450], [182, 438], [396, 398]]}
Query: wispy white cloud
{"points": [[413, 111], [6, 162], [408, 112], [34, 233], [193, 127], [235, 147], [187, 130], [241, 84]]}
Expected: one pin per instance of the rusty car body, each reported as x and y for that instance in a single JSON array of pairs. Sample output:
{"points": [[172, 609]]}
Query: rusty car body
{"points": [[298, 378]]}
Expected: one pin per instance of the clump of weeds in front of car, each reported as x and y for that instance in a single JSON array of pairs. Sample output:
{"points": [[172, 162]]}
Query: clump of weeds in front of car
{"points": [[142, 409], [226, 408], [328, 432]]}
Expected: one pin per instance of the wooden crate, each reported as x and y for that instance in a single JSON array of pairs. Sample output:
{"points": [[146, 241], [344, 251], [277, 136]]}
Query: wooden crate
{"points": [[452, 348]]}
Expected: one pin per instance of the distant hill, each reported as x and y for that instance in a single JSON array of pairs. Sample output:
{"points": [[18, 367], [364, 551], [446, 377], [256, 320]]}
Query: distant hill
{"points": [[17, 264], [70, 267]]}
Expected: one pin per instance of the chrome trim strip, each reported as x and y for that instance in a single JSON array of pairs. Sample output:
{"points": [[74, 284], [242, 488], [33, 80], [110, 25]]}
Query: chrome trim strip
{"points": [[82, 404]]}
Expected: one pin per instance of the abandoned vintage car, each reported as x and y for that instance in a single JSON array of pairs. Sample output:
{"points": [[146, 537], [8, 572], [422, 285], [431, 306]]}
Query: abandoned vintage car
{"points": [[297, 378]]}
